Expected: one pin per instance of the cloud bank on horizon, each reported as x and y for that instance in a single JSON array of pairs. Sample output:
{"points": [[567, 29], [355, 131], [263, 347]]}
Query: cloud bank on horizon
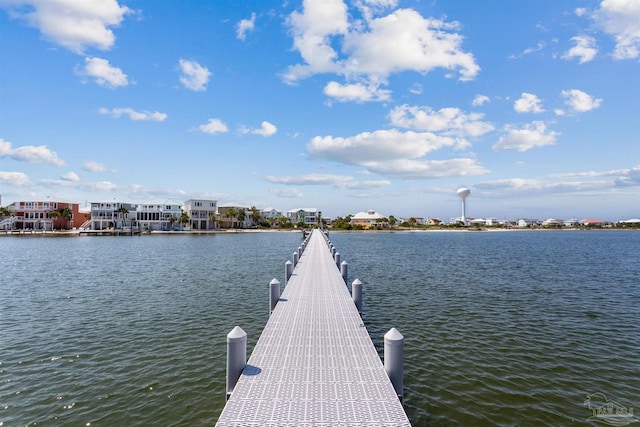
{"points": [[343, 105]]}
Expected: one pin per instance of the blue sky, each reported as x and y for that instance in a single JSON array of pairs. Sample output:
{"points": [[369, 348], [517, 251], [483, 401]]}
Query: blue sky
{"points": [[343, 106]]}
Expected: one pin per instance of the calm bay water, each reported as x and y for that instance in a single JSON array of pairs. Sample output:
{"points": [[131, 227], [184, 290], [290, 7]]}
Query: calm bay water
{"points": [[501, 328]]}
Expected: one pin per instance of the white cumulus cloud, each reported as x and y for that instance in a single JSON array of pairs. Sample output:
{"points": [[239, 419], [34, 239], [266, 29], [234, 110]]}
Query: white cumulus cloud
{"points": [[447, 121], [102, 72], [244, 26], [393, 153], [580, 101], [266, 129], [70, 176], [357, 92], [528, 103], [16, 179], [534, 134], [213, 126], [480, 100], [75, 25], [194, 76], [134, 115], [367, 51], [30, 153], [584, 49], [621, 19]]}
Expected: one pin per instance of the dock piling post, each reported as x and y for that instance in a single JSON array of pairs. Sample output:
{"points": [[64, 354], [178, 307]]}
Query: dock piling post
{"points": [[356, 294], [236, 357], [393, 359], [274, 293], [343, 270], [336, 257], [296, 255], [288, 271]]}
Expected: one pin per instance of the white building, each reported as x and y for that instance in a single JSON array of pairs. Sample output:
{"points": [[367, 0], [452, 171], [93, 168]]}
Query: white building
{"points": [[114, 215], [155, 217], [203, 213]]}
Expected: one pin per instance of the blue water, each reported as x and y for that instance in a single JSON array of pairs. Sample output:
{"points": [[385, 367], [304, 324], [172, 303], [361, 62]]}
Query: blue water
{"points": [[501, 328]]}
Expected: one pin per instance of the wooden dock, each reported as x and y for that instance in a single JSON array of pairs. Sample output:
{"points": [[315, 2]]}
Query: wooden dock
{"points": [[314, 364]]}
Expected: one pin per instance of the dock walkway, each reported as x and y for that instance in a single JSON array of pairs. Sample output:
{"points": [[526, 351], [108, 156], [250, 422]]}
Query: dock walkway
{"points": [[314, 364]]}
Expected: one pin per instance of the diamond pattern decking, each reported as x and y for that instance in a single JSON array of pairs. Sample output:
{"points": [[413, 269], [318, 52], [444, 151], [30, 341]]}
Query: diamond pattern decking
{"points": [[314, 364]]}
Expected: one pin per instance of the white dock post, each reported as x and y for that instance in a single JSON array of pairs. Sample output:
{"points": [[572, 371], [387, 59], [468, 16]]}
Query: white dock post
{"points": [[356, 294], [343, 270], [288, 271], [274, 293], [296, 255], [336, 257], [393, 359], [299, 251], [236, 357]]}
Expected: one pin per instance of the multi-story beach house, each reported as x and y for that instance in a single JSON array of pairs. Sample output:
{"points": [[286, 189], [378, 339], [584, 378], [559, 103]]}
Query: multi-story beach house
{"points": [[203, 213], [43, 215], [154, 217], [369, 219], [112, 215], [308, 216]]}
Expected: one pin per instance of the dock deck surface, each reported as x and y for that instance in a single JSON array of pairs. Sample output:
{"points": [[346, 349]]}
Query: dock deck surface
{"points": [[314, 364]]}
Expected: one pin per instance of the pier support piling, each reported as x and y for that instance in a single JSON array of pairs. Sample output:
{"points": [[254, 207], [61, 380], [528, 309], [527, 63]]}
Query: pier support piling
{"points": [[336, 257], [274, 294], [236, 357], [356, 294], [296, 255], [343, 270], [394, 359], [288, 271]]}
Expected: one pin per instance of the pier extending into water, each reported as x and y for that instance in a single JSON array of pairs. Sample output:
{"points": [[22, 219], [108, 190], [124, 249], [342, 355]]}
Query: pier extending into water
{"points": [[314, 363]]}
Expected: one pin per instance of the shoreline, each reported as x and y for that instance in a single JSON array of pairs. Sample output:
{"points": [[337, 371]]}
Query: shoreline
{"points": [[123, 233]]}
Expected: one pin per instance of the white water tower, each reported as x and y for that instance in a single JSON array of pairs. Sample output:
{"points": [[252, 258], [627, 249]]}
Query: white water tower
{"points": [[463, 193]]}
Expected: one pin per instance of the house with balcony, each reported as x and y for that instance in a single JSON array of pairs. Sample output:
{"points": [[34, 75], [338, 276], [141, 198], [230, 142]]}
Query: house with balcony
{"points": [[158, 216], [310, 217], [112, 215], [43, 215], [369, 219], [203, 213]]}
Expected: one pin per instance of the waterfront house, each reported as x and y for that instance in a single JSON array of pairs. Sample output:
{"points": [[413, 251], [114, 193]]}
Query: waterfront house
{"points": [[203, 213], [553, 223], [591, 222], [270, 213], [158, 216], [308, 216], [527, 222], [43, 215], [369, 219], [112, 215], [234, 216], [271, 216]]}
